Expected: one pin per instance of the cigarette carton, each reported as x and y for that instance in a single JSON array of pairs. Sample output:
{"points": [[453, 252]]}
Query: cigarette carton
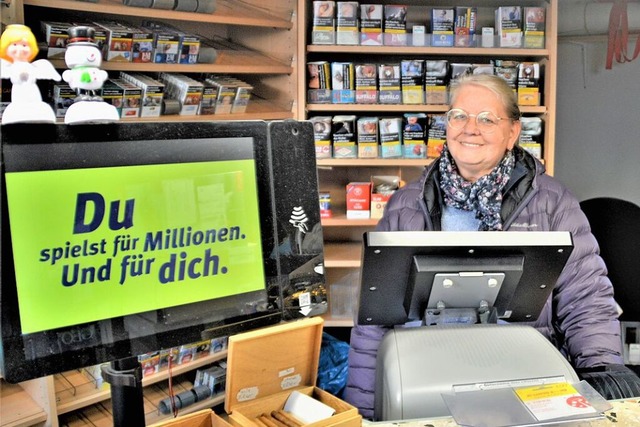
{"points": [[358, 200]]}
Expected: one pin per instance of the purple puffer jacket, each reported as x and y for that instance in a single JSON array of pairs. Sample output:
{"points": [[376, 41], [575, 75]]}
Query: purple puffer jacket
{"points": [[584, 324]]}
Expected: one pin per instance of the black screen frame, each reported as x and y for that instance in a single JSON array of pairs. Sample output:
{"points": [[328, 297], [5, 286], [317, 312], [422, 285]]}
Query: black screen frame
{"points": [[27, 147], [389, 297]]}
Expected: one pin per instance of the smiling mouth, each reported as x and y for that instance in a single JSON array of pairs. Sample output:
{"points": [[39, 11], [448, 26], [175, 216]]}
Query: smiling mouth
{"points": [[469, 144]]}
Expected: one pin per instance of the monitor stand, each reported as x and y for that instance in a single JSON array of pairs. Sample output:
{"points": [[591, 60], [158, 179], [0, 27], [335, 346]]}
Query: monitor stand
{"points": [[125, 379]]}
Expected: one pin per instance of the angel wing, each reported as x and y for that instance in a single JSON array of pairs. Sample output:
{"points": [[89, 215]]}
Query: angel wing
{"points": [[5, 69], [44, 70]]}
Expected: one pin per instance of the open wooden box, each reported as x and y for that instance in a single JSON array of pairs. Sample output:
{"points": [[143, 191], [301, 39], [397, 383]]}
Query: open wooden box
{"points": [[266, 365]]}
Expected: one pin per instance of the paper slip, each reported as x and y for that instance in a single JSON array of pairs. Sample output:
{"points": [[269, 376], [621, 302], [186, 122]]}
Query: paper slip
{"points": [[557, 400], [306, 408]]}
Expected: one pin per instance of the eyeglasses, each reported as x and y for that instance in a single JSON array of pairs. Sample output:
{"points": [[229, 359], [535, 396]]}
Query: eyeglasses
{"points": [[486, 121]]}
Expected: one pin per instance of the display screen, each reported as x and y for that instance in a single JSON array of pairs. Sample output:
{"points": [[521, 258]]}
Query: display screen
{"points": [[126, 238], [135, 238]]}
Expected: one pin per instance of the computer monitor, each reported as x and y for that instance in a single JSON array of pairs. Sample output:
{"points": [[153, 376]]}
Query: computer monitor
{"points": [[126, 238], [411, 276]]}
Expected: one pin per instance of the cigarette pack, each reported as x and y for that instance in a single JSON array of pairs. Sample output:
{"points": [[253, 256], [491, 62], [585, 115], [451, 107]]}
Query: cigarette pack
{"points": [[412, 81], [371, 24], [508, 21], [323, 30], [534, 27], [343, 134], [319, 82], [368, 137], [322, 136], [465, 26], [436, 81], [414, 136], [343, 83], [131, 98], [347, 30], [390, 129], [436, 135], [395, 25], [442, 26], [152, 93], [366, 83], [389, 89], [117, 47], [529, 83]]}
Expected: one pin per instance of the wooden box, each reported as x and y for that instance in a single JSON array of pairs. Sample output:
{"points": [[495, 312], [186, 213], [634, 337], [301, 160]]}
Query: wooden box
{"points": [[203, 418], [265, 366]]}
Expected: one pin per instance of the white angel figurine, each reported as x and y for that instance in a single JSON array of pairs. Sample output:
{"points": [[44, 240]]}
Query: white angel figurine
{"points": [[18, 47]]}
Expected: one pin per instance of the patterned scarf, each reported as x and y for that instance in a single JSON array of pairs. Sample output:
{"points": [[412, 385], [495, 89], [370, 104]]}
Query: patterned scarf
{"points": [[483, 196]]}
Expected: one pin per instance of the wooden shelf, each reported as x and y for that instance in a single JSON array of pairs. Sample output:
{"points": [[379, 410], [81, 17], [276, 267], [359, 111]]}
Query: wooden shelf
{"points": [[17, 408], [228, 62], [373, 162], [75, 391], [427, 50], [342, 221], [227, 13], [337, 322], [400, 108], [342, 254]]}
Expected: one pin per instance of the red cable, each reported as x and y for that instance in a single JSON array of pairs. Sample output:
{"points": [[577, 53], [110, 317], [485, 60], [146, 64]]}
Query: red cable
{"points": [[619, 34]]}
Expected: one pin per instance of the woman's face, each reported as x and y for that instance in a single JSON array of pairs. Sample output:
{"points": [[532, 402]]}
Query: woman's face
{"points": [[477, 153]]}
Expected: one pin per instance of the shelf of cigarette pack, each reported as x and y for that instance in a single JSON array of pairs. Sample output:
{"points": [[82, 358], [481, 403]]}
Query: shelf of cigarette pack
{"points": [[226, 12], [256, 110], [17, 408], [228, 62], [342, 254], [400, 108], [427, 50], [373, 162], [74, 390], [342, 221]]}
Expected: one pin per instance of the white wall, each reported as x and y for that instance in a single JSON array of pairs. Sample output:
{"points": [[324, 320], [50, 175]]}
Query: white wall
{"points": [[598, 122]]}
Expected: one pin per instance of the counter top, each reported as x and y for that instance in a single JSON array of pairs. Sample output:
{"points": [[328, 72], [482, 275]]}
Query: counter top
{"points": [[625, 413]]}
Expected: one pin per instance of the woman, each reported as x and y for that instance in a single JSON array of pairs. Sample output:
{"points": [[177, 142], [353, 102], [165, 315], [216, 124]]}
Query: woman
{"points": [[484, 181]]}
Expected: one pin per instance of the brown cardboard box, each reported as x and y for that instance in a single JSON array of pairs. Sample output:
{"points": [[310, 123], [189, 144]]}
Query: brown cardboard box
{"points": [[266, 365], [379, 198]]}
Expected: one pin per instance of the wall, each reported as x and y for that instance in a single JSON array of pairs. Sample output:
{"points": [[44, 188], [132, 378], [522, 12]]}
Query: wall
{"points": [[598, 121]]}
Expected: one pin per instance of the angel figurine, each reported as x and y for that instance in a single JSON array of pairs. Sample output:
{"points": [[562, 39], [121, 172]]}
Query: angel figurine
{"points": [[18, 47]]}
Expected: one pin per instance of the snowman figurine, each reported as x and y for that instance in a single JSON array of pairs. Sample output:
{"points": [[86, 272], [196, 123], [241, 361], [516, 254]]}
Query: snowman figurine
{"points": [[83, 57]]}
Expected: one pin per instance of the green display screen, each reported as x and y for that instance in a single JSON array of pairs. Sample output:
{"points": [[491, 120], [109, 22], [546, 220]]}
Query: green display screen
{"points": [[98, 243]]}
